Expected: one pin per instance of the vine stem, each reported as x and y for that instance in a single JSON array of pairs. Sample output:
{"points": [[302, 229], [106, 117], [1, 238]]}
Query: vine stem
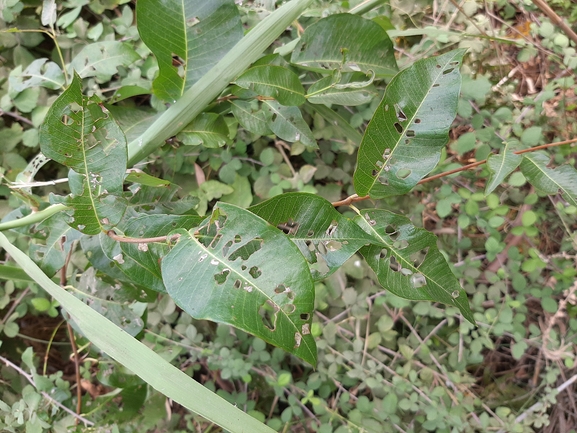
{"points": [[354, 198]]}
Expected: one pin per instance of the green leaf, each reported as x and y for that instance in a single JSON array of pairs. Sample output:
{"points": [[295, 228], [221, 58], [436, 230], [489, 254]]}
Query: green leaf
{"points": [[138, 358], [500, 166], [195, 33], [550, 180], [52, 256], [81, 134], [237, 269], [208, 129], [410, 265], [288, 124], [277, 82], [403, 141], [251, 116], [133, 121], [40, 72], [348, 43], [325, 237], [242, 194], [113, 301], [102, 59], [326, 91], [141, 262]]}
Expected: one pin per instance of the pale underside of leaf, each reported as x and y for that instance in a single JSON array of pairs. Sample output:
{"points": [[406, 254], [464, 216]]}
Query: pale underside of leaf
{"points": [[550, 180], [501, 166]]}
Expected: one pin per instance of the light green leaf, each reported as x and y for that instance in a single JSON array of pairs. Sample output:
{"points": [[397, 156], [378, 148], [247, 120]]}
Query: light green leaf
{"points": [[410, 265], [48, 17], [138, 358], [288, 124], [102, 59], [325, 237], [275, 81], [208, 130], [550, 180], [52, 256], [81, 134], [348, 43], [40, 72], [500, 166], [133, 121], [403, 141], [251, 116], [347, 92], [195, 33], [237, 269], [242, 194]]}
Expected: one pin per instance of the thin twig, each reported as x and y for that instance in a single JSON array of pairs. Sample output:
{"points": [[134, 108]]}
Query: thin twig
{"points": [[16, 116], [541, 4], [30, 379]]}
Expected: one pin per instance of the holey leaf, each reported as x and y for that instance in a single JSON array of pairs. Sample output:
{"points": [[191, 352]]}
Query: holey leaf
{"points": [[81, 134], [410, 265], [239, 270], [348, 43], [277, 82], [550, 180], [188, 37], [500, 166], [403, 140], [325, 237]]}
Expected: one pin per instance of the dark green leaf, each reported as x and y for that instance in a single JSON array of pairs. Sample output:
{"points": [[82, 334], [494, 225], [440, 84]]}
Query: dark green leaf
{"points": [[325, 237], [550, 180], [410, 265], [237, 269], [102, 59], [188, 37], [251, 116], [141, 262], [81, 134], [275, 81], [500, 166], [288, 123], [403, 141], [346, 42], [208, 130], [133, 121]]}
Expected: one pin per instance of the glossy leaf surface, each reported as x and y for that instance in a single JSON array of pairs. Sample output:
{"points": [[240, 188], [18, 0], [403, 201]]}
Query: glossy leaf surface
{"points": [[275, 81], [562, 179], [237, 269], [403, 141], [500, 166], [80, 133], [188, 37], [410, 265], [324, 236], [348, 43]]}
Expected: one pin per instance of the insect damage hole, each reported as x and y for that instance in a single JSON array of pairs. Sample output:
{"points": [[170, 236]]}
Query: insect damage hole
{"points": [[221, 277], [268, 313], [288, 228], [298, 340]]}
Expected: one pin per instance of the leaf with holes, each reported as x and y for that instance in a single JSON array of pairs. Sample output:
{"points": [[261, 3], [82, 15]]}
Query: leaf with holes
{"points": [[500, 166], [410, 265], [80, 133], [404, 139], [325, 237], [52, 256], [188, 37], [207, 129], [237, 269], [288, 124], [251, 116], [277, 82], [550, 180], [113, 301], [40, 72], [102, 59], [348, 43]]}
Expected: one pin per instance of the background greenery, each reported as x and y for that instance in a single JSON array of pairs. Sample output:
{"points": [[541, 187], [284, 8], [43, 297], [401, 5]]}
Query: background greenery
{"points": [[384, 364]]}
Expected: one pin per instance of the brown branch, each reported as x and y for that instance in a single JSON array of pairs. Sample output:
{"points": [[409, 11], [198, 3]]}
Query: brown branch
{"points": [[354, 198], [557, 20], [129, 240]]}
